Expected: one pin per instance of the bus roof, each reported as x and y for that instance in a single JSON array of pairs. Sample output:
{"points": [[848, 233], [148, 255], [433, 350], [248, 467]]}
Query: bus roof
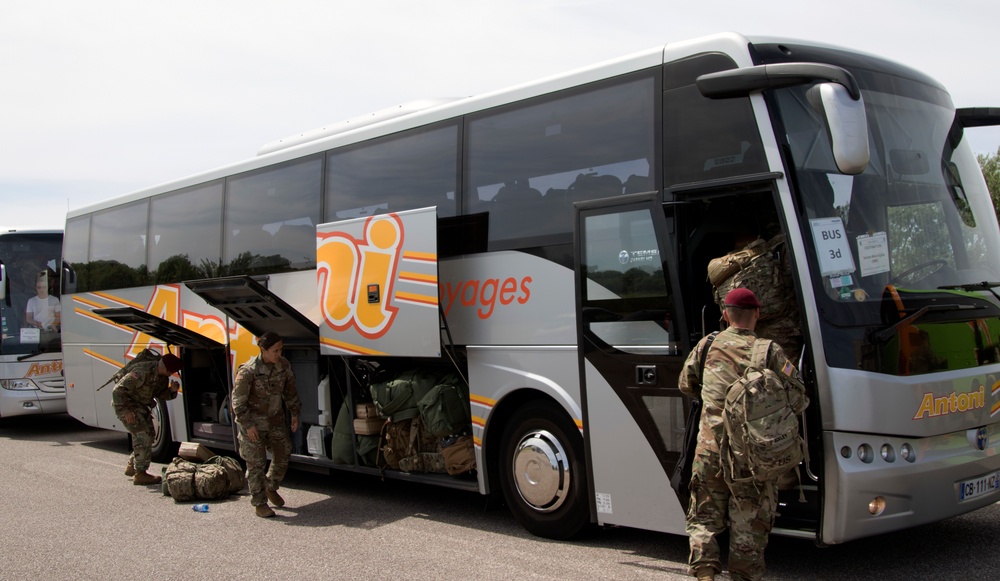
{"points": [[8, 231], [384, 123]]}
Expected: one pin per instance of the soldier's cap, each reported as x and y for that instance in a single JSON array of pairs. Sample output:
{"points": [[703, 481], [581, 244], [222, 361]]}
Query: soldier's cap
{"points": [[171, 362], [742, 298]]}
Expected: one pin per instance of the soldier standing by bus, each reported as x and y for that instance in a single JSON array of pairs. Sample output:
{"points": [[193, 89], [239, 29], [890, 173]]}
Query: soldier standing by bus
{"points": [[133, 397], [749, 507], [261, 385]]}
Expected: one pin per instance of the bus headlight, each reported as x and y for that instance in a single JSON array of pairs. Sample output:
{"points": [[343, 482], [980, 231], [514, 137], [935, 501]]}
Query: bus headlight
{"points": [[18, 384], [865, 453], [876, 506], [888, 454], [908, 453]]}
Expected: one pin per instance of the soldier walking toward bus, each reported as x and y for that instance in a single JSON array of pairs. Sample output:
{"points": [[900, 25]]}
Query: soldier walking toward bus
{"points": [[133, 397], [261, 385], [749, 507]]}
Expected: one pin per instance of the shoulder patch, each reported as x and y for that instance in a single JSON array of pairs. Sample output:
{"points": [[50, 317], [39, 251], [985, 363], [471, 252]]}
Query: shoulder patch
{"points": [[788, 368]]}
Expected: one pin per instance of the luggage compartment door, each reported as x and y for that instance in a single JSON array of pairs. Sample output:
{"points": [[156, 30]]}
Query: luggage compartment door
{"points": [[377, 280]]}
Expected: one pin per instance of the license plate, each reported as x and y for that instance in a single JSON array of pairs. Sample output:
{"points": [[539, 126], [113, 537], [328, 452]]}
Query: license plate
{"points": [[976, 487]]}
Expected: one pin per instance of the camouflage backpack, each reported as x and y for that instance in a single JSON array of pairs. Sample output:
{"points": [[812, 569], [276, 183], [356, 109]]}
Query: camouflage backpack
{"points": [[235, 477], [757, 268], [146, 354], [184, 480], [761, 439]]}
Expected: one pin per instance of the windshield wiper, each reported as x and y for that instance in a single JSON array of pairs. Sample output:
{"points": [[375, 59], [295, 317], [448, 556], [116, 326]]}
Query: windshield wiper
{"points": [[36, 353], [976, 286], [888, 332]]}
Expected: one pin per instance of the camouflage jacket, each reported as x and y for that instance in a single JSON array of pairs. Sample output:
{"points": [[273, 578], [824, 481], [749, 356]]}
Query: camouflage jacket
{"points": [[727, 359], [140, 385], [260, 389]]}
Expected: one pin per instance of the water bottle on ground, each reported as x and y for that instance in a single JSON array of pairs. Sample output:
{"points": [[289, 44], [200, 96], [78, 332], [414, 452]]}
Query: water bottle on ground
{"points": [[200, 507]]}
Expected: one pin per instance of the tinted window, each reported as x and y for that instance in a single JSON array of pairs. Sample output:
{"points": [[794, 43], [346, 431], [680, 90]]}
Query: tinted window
{"points": [[627, 304], [529, 164], [706, 138], [416, 170], [29, 313], [118, 247], [185, 233], [76, 243], [271, 218]]}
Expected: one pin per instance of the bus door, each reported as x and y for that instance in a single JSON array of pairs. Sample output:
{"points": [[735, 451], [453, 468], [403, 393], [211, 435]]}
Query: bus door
{"points": [[258, 310], [204, 384], [630, 357]]}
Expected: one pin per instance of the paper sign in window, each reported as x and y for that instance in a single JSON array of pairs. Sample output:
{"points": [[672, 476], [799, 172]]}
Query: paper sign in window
{"points": [[873, 253], [832, 248]]}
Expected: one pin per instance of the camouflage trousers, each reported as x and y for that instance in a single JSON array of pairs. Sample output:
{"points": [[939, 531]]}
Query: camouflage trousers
{"points": [[142, 435], [750, 510], [276, 441]]}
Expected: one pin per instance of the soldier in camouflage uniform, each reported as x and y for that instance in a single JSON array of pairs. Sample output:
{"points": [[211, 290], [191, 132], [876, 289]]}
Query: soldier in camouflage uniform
{"points": [[749, 507], [261, 385], [133, 398]]}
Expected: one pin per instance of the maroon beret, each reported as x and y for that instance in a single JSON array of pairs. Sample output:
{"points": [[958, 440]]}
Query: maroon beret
{"points": [[171, 362], [742, 298]]}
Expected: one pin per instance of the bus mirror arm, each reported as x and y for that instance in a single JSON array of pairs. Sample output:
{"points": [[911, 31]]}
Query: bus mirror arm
{"points": [[836, 97], [742, 82], [978, 116], [3, 281]]}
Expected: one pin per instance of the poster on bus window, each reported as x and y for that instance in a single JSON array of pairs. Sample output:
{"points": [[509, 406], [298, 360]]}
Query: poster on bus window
{"points": [[377, 279]]}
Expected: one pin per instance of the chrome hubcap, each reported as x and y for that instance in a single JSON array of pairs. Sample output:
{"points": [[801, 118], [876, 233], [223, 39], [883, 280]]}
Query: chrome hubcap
{"points": [[541, 471]]}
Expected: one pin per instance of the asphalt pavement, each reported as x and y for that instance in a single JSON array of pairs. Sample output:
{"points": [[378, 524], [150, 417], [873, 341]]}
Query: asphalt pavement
{"points": [[68, 512]]}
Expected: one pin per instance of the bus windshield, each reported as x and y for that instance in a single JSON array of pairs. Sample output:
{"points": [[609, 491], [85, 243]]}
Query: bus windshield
{"points": [[29, 310], [918, 219]]}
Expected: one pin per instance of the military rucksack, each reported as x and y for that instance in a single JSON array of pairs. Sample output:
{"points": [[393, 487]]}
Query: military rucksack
{"points": [[761, 267], [235, 477], [146, 354], [397, 398], [445, 408], [760, 419], [219, 476], [755, 267]]}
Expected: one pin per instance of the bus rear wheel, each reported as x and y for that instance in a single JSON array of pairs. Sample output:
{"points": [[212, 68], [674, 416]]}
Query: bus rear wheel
{"points": [[542, 472]]}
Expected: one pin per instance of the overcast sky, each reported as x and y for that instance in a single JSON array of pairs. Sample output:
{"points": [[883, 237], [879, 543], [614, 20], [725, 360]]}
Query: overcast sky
{"points": [[99, 98]]}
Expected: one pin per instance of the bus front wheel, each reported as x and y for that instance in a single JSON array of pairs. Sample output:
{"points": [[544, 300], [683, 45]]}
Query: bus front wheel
{"points": [[542, 472]]}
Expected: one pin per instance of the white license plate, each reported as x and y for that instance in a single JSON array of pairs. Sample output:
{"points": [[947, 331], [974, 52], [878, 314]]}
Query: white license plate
{"points": [[976, 487]]}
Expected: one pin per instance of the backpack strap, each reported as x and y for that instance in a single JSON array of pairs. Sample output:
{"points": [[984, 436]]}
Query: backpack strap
{"points": [[704, 355], [758, 354]]}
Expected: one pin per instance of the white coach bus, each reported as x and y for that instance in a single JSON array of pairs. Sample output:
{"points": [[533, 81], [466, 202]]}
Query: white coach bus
{"points": [[549, 243], [31, 380]]}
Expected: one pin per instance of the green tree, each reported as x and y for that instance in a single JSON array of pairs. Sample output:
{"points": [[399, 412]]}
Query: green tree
{"points": [[991, 171]]}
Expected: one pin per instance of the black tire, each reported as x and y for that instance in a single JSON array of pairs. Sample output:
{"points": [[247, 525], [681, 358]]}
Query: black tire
{"points": [[542, 472], [163, 446]]}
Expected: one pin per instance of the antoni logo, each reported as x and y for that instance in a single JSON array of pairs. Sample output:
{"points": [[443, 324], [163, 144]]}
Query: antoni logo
{"points": [[346, 265]]}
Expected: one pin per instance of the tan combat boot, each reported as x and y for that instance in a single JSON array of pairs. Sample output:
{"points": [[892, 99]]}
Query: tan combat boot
{"points": [[263, 511], [274, 497], [143, 478], [130, 469], [705, 574]]}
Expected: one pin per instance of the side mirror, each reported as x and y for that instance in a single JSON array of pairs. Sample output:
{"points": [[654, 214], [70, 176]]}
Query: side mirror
{"points": [[846, 124], [68, 279]]}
